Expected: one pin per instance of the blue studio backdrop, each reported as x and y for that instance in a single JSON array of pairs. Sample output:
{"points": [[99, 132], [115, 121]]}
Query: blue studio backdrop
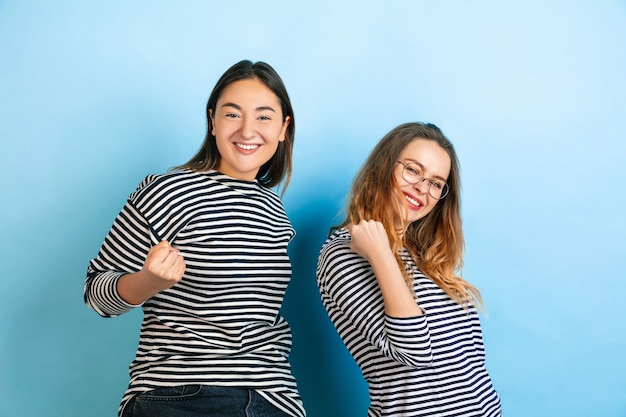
{"points": [[95, 95]]}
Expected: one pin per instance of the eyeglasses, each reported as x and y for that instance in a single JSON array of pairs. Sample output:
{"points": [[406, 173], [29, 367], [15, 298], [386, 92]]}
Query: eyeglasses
{"points": [[414, 174]]}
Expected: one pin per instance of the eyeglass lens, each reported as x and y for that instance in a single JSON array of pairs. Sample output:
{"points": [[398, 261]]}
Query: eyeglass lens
{"points": [[413, 174]]}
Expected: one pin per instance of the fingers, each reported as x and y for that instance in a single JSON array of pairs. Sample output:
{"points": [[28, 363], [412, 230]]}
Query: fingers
{"points": [[165, 262], [161, 251], [371, 228]]}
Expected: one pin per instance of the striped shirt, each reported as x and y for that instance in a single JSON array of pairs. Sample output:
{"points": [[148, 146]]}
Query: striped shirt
{"points": [[220, 325], [429, 365]]}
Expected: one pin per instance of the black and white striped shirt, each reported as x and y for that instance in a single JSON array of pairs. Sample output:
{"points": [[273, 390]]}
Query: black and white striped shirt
{"points": [[220, 325], [429, 365]]}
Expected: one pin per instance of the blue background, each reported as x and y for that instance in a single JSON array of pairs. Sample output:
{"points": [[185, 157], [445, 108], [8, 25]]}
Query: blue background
{"points": [[95, 95]]}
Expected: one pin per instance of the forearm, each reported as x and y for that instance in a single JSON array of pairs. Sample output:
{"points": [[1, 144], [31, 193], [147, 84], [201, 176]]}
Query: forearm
{"points": [[398, 298], [101, 294], [351, 293], [136, 288]]}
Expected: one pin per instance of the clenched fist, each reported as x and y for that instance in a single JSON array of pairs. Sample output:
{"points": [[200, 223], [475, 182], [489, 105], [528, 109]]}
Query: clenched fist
{"points": [[163, 267], [369, 239], [164, 263]]}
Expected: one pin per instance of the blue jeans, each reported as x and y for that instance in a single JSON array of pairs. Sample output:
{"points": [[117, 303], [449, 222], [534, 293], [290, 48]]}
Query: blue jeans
{"points": [[201, 401]]}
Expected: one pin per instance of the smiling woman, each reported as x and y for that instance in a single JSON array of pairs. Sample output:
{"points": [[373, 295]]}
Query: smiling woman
{"points": [[180, 249], [254, 101], [248, 126], [388, 279]]}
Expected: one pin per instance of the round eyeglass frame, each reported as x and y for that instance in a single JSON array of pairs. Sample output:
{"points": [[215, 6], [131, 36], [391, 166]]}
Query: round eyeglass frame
{"points": [[444, 191]]}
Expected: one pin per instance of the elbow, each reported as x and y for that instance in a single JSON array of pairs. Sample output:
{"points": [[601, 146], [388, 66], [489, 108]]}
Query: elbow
{"points": [[408, 341], [99, 309], [413, 358]]}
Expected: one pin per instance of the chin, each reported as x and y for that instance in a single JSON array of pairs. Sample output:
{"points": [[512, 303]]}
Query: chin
{"points": [[417, 217]]}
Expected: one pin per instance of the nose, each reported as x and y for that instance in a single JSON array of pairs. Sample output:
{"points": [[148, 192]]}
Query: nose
{"points": [[248, 130], [421, 186]]}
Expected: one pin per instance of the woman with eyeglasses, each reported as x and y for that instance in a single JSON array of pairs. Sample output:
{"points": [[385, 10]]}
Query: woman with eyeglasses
{"points": [[389, 277]]}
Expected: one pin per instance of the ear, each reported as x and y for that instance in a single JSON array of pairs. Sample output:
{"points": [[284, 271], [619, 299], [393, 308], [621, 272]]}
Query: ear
{"points": [[281, 138]]}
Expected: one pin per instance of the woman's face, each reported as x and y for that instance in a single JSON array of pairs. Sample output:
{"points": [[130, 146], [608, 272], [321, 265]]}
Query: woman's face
{"points": [[248, 125], [422, 158]]}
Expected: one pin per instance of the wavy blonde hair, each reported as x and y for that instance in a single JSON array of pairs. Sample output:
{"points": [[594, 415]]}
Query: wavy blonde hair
{"points": [[435, 241]]}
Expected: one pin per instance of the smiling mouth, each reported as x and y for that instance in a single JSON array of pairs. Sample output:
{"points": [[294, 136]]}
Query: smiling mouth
{"points": [[246, 147], [413, 201]]}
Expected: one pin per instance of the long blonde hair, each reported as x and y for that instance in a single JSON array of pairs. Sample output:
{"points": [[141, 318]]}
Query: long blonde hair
{"points": [[435, 241]]}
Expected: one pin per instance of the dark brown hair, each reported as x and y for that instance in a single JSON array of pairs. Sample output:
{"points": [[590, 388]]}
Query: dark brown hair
{"points": [[279, 166]]}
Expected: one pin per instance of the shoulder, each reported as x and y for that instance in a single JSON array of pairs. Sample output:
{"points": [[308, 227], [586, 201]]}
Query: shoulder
{"points": [[336, 251], [176, 181], [270, 195], [339, 238], [339, 266]]}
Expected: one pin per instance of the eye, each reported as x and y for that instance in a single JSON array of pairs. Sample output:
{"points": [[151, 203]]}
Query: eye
{"points": [[414, 170], [231, 115], [264, 117], [437, 184]]}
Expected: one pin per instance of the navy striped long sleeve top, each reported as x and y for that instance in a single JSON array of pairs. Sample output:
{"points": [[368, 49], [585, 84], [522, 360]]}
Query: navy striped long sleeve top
{"points": [[221, 324], [428, 365]]}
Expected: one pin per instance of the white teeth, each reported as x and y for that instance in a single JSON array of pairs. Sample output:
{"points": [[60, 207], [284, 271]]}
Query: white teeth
{"points": [[247, 147], [414, 202]]}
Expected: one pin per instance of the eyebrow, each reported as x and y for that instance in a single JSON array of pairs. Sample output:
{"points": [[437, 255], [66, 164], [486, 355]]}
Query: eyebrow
{"points": [[422, 166], [260, 108]]}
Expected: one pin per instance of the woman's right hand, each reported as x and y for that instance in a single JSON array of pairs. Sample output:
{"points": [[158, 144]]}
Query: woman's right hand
{"points": [[369, 239], [163, 268], [164, 265]]}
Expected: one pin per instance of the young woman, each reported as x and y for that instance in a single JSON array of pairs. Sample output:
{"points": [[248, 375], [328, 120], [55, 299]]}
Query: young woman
{"points": [[203, 250], [388, 279]]}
